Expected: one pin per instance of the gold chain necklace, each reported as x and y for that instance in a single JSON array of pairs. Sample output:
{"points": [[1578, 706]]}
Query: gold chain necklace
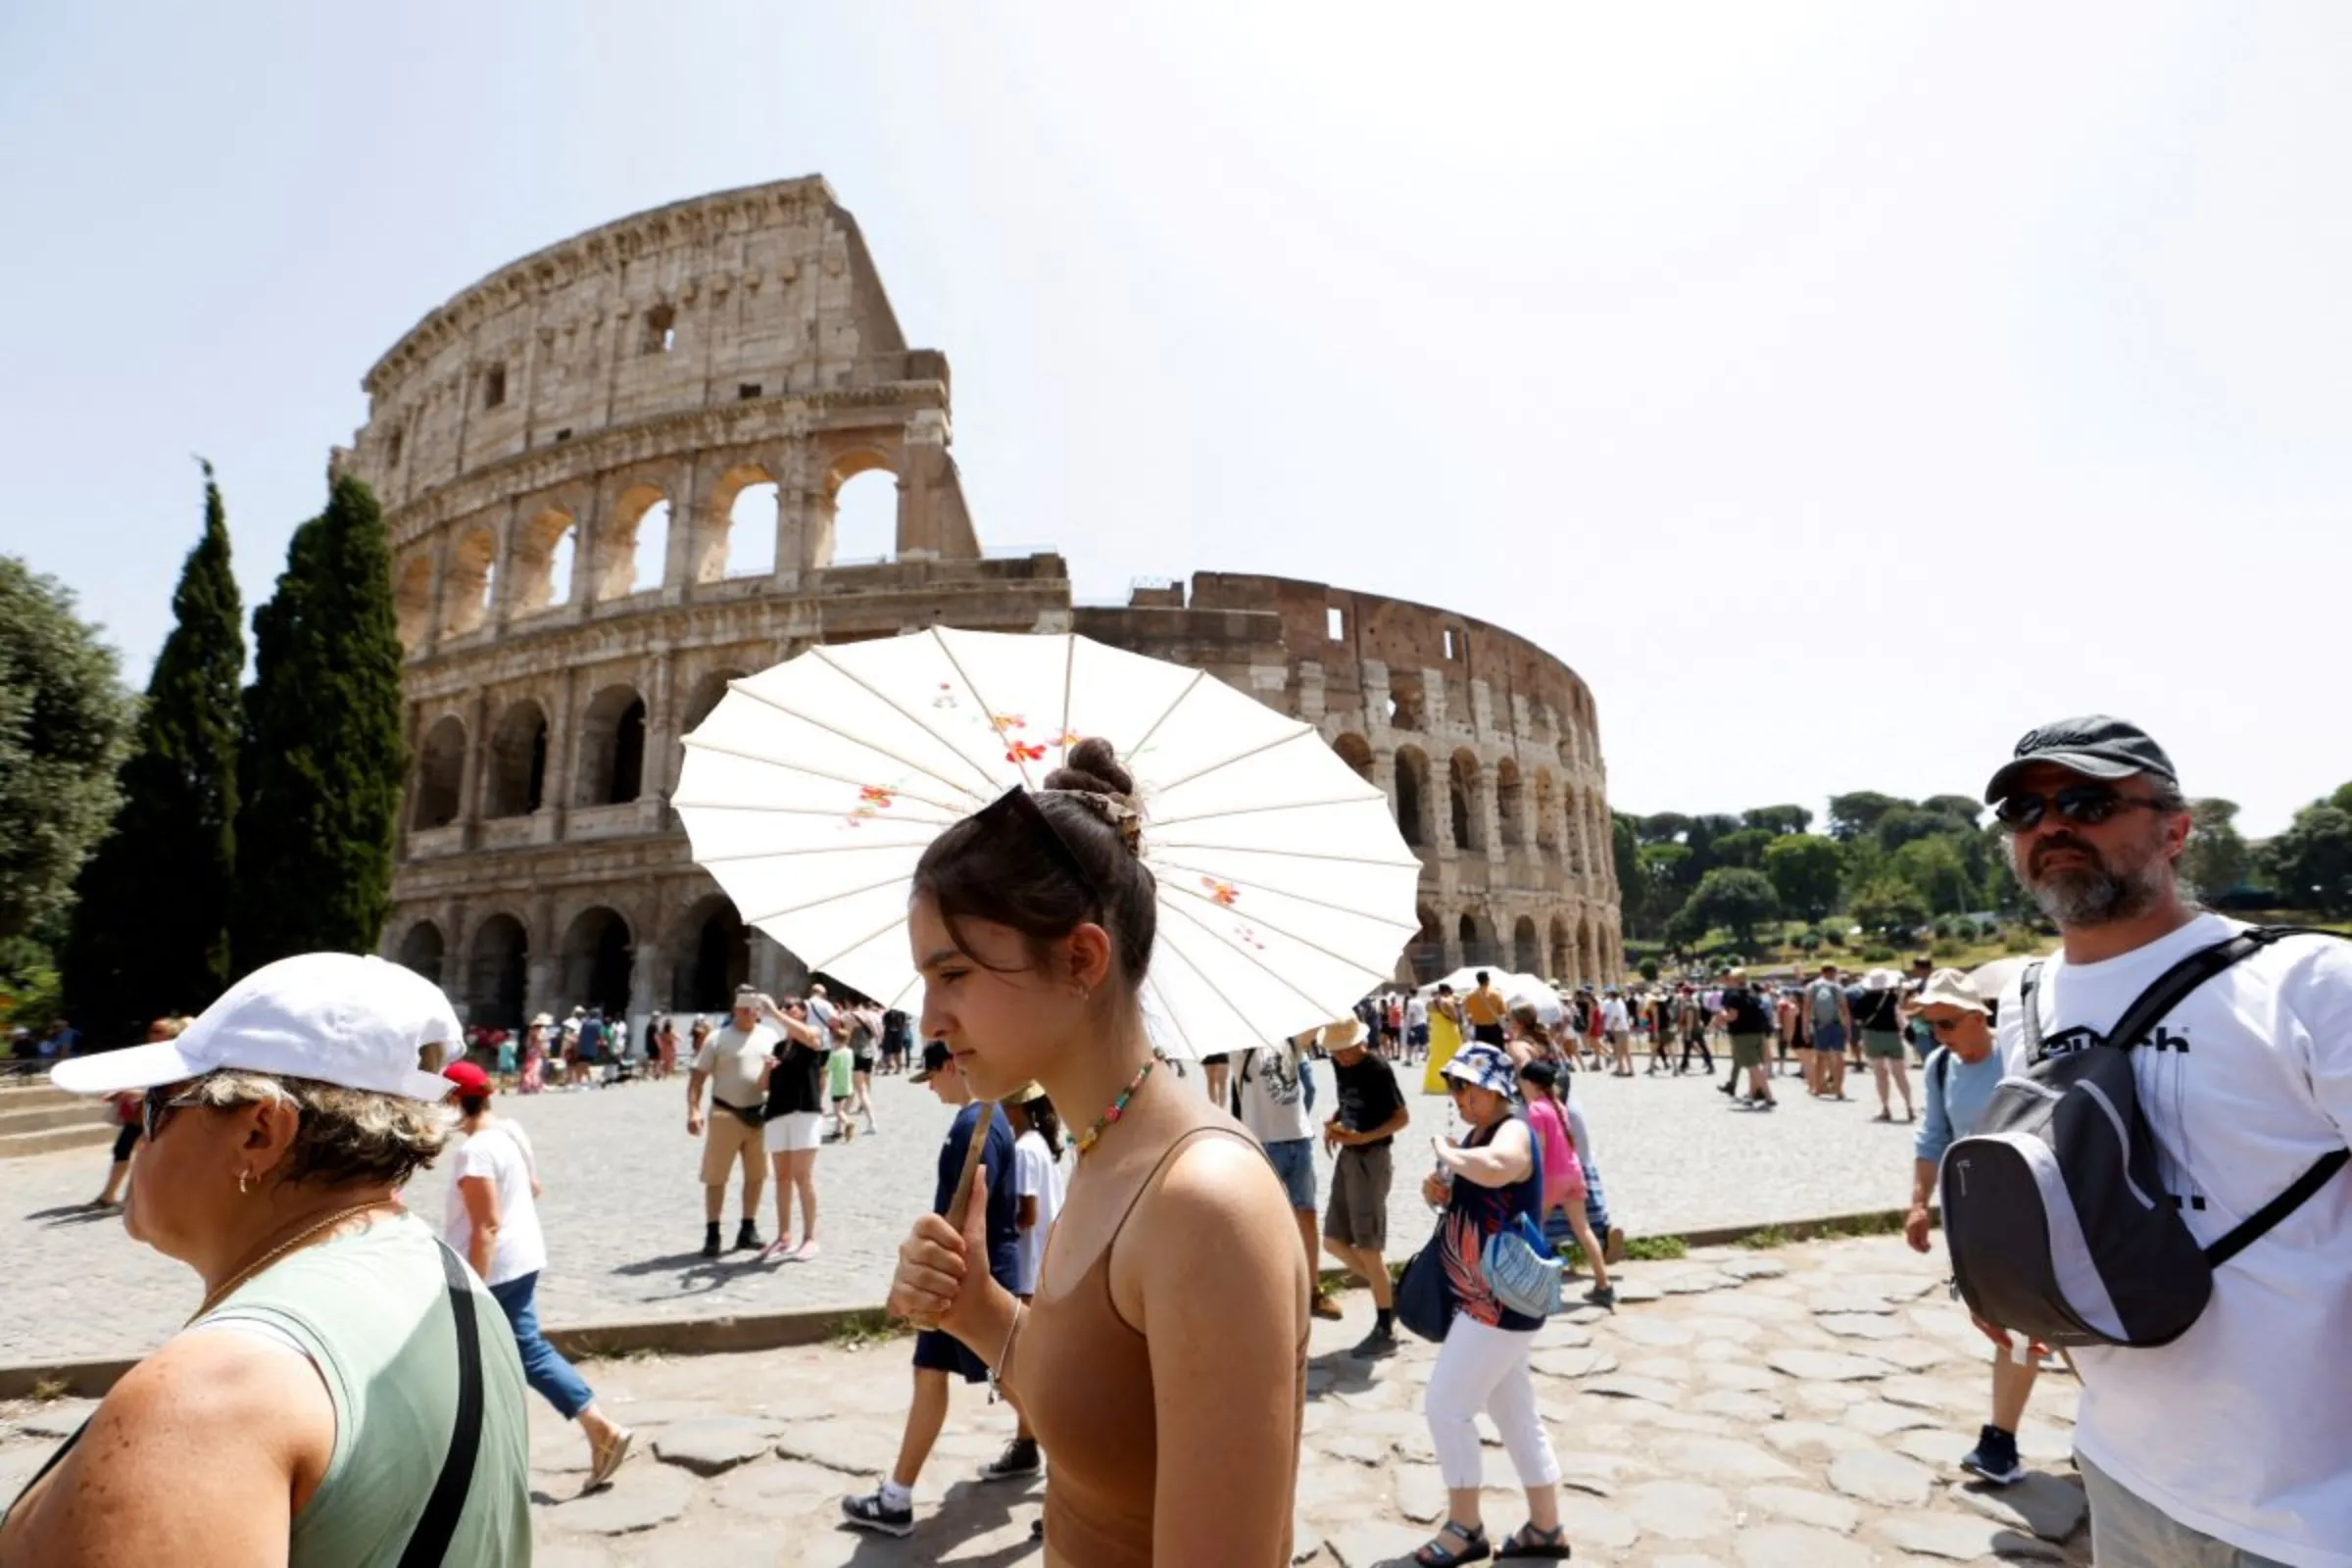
{"points": [[217, 1296]]}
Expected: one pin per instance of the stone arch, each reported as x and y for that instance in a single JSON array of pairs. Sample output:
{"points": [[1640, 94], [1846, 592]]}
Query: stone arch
{"points": [[736, 535], [1546, 812], [1572, 830], [709, 955], [1563, 958], [497, 972], [1480, 948], [440, 774], [539, 573], [611, 748], [1356, 753], [638, 514], [517, 770], [1464, 781], [1511, 807], [1412, 794], [470, 584], [1588, 951], [424, 948], [1427, 951], [596, 954], [413, 600], [1527, 953], [856, 515]]}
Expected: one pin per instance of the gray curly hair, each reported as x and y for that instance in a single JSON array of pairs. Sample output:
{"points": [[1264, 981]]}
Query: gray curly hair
{"points": [[346, 1137]]}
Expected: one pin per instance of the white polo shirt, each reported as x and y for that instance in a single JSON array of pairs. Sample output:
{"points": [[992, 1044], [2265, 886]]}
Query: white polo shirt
{"points": [[2243, 1427]]}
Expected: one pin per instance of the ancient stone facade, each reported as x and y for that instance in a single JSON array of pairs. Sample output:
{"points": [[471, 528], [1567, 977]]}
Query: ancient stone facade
{"points": [[611, 473]]}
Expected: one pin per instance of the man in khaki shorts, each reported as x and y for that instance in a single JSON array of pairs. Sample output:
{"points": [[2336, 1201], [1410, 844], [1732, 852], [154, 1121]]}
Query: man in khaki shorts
{"points": [[1355, 1222], [735, 1063]]}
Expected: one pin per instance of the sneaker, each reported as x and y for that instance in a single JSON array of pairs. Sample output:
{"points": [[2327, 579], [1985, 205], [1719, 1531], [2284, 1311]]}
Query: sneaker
{"points": [[1374, 1345], [1018, 1462], [1765, 1104], [1994, 1458], [1327, 1307], [747, 1238], [711, 1247], [870, 1512]]}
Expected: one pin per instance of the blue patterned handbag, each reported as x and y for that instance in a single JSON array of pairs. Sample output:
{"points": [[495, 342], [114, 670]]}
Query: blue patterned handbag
{"points": [[1520, 1266]]}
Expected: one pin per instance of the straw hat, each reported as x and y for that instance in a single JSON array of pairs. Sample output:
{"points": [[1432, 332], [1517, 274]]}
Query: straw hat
{"points": [[1341, 1033]]}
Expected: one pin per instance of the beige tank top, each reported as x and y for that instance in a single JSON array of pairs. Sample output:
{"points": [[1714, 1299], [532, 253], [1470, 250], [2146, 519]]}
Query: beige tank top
{"points": [[1086, 1377]]}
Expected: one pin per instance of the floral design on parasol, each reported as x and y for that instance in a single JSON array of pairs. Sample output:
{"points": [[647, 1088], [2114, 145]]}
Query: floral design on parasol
{"points": [[1286, 890]]}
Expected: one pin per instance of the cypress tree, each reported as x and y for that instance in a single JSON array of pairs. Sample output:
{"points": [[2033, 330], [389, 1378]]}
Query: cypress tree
{"points": [[150, 932], [322, 760]]}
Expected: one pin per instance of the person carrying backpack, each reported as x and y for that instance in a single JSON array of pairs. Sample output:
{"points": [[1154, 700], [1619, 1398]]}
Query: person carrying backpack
{"points": [[2158, 1184], [1962, 1074]]}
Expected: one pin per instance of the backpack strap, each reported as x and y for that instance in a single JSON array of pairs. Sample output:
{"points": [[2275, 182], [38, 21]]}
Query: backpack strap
{"points": [[2172, 987], [1940, 1075], [2260, 1221], [428, 1544], [2025, 987]]}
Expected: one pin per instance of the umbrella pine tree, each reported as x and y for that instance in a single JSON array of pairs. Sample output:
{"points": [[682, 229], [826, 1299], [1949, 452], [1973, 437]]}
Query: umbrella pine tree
{"points": [[150, 932], [323, 758]]}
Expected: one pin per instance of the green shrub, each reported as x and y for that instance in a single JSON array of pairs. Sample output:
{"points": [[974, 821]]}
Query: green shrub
{"points": [[1655, 1248], [1878, 954], [2021, 940], [1948, 948], [1770, 1236]]}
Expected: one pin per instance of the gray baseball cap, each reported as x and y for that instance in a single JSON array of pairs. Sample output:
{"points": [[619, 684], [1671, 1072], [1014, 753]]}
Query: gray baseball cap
{"points": [[2095, 746]]}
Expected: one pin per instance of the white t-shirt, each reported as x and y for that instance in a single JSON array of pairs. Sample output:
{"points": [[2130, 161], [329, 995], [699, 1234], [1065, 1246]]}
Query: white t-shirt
{"points": [[2240, 1428], [733, 1058], [1416, 1014], [1034, 1175], [1273, 1101], [1613, 1015], [500, 1152]]}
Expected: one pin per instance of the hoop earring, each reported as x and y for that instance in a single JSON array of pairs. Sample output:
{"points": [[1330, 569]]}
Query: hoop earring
{"points": [[244, 1177]]}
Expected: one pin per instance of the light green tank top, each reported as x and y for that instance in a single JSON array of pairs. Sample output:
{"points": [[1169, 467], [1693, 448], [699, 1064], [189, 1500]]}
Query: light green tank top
{"points": [[372, 1310]]}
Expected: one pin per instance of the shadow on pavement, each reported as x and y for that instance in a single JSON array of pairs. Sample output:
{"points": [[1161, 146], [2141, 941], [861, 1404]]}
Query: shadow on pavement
{"points": [[1348, 1373], [692, 1269], [75, 1215]]}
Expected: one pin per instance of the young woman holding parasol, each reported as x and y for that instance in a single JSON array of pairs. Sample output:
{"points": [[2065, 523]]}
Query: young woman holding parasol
{"points": [[1162, 1364]]}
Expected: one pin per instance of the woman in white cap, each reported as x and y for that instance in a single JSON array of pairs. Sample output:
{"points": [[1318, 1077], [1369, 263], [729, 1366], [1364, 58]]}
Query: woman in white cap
{"points": [[347, 1394]]}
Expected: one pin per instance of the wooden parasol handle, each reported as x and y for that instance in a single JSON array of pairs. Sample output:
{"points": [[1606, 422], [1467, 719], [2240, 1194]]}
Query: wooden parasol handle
{"points": [[973, 1153]]}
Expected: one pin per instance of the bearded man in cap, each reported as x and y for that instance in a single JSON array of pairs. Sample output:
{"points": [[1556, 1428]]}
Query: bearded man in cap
{"points": [[2232, 1444]]}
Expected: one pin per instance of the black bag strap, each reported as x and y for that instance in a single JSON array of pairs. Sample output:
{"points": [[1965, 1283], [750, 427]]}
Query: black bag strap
{"points": [[2256, 1225], [428, 1544]]}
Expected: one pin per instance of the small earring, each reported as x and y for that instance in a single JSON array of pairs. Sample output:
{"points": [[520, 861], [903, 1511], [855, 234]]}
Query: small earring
{"points": [[243, 1178]]}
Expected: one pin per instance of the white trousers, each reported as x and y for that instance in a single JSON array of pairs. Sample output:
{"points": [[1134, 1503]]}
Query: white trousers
{"points": [[1479, 1367]]}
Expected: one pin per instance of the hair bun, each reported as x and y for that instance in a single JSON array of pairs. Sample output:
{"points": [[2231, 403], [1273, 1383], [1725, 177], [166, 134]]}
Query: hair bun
{"points": [[1093, 768]]}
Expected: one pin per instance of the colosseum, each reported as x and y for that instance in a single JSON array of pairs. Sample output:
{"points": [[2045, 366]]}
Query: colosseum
{"points": [[612, 472]]}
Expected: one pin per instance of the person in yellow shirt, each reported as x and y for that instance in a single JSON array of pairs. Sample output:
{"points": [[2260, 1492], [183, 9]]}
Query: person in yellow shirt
{"points": [[1484, 1008], [1445, 1038]]}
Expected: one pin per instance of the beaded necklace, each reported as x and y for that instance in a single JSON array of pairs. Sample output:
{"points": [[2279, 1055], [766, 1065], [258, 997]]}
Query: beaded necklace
{"points": [[1119, 1106]]}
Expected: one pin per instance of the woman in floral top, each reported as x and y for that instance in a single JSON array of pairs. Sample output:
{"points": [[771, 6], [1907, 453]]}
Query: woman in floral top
{"points": [[1485, 1182]]}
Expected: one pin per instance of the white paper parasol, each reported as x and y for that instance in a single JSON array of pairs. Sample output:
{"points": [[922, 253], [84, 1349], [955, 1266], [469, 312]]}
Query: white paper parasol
{"points": [[1286, 890]]}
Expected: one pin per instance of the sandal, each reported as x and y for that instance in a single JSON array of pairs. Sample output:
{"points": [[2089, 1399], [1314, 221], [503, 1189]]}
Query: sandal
{"points": [[1474, 1546], [606, 1460], [1529, 1542]]}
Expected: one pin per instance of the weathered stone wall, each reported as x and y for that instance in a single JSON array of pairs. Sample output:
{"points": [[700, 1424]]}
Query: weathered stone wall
{"points": [[529, 438]]}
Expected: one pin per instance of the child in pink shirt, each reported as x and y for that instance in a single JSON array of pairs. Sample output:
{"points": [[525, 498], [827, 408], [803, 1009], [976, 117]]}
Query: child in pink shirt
{"points": [[1563, 1172]]}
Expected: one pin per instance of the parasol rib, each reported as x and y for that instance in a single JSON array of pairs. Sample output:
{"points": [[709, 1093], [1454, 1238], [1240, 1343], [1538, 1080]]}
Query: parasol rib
{"points": [[1260, 965], [779, 764], [677, 805], [838, 896], [1153, 849], [1247, 885], [915, 718], [1263, 809], [1302, 732], [788, 710], [988, 712], [1268, 926], [900, 846]]}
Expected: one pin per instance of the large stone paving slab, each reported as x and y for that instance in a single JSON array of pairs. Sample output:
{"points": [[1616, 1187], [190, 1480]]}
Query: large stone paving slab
{"points": [[1815, 1467], [624, 1211]]}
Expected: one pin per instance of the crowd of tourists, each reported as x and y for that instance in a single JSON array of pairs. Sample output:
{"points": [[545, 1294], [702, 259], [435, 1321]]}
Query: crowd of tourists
{"points": [[2195, 1071]]}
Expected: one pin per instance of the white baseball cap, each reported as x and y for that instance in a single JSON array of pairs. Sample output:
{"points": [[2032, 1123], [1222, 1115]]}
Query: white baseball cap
{"points": [[332, 1017]]}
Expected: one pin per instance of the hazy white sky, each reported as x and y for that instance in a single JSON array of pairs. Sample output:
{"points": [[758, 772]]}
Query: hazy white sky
{"points": [[1840, 389]]}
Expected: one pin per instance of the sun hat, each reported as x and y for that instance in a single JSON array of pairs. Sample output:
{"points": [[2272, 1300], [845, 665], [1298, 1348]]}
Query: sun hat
{"points": [[1342, 1034], [544, 1022], [1483, 1067], [468, 1078], [1880, 980], [1949, 988], [936, 1056], [331, 1017]]}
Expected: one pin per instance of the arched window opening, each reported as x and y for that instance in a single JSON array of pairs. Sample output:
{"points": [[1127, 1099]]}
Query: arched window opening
{"points": [[498, 970], [423, 949], [597, 951], [412, 600], [633, 546], [1510, 803], [612, 747], [440, 770], [517, 762], [1526, 955], [651, 561], [1427, 951], [865, 519], [711, 956], [751, 532], [1462, 785], [1412, 785], [1561, 962], [660, 331], [1407, 709], [1548, 822], [471, 585], [1356, 753]]}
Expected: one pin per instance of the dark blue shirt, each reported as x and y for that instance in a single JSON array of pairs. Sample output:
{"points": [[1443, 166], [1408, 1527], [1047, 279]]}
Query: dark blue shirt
{"points": [[1473, 1214], [1003, 1204]]}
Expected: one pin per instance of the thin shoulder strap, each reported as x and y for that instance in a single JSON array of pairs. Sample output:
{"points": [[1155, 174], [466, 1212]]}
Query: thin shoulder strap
{"points": [[1173, 1150], [428, 1544]]}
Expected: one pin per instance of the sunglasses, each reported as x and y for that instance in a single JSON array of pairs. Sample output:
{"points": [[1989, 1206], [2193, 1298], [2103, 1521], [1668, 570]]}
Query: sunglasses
{"points": [[1017, 806], [155, 1107], [1943, 1026], [2085, 805]]}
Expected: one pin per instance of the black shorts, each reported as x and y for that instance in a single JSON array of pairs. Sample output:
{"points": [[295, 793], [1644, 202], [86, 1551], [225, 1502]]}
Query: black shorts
{"points": [[863, 1064], [1488, 1033], [937, 1351], [126, 1138]]}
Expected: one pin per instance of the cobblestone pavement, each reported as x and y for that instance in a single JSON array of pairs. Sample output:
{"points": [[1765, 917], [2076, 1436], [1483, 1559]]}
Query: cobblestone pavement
{"points": [[1795, 1408], [623, 1205]]}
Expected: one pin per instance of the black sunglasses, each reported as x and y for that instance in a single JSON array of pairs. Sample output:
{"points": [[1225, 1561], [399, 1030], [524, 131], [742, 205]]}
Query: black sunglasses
{"points": [[155, 1107], [1018, 806], [2083, 803]]}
